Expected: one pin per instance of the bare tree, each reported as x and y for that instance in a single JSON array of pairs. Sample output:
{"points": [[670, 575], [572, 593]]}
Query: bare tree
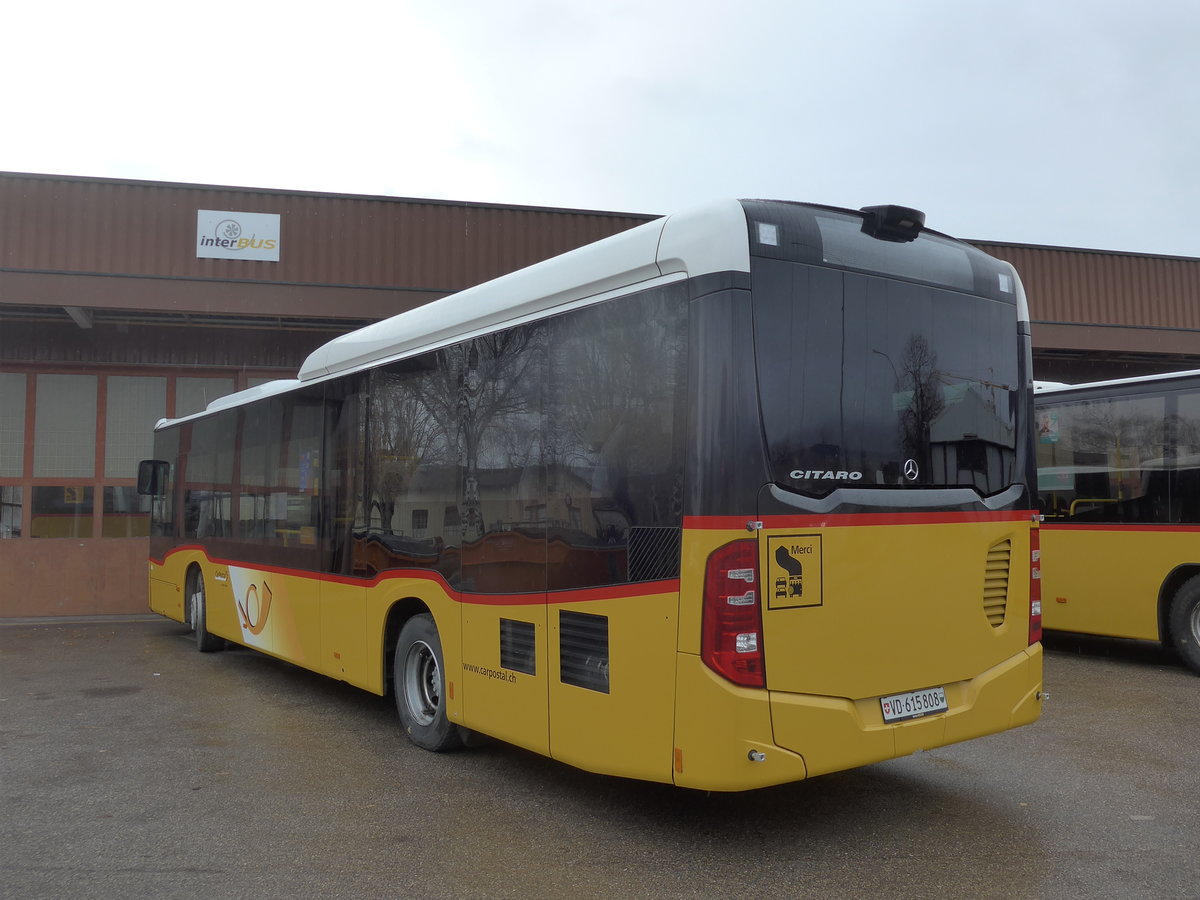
{"points": [[919, 374]]}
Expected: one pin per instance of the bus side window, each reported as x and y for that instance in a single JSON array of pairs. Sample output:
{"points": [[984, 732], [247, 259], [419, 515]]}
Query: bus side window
{"points": [[1185, 496]]}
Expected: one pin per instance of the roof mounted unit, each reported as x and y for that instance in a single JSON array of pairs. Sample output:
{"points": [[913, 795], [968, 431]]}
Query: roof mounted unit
{"points": [[892, 223]]}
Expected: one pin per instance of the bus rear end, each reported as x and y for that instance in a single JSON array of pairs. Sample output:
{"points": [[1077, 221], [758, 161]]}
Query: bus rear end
{"points": [[860, 577]]}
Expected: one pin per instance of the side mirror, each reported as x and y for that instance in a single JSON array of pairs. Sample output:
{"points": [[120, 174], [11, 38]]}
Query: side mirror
{"points": [[152, 477]]}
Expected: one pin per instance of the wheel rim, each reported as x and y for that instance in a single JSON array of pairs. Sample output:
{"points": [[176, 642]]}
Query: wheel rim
{"points": [[422, 683], [1194, 621]]}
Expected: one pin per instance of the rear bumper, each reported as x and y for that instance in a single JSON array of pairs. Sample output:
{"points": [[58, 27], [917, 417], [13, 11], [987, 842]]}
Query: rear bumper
{"points": [[720, 726], [833, 733]]}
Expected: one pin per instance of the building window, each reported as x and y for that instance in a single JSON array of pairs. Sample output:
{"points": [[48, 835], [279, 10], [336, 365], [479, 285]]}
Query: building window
{"points": [[12, 425], [420, 523], [133, 405], [64, 437], [126, 513], [61, 511], [10, 511]]}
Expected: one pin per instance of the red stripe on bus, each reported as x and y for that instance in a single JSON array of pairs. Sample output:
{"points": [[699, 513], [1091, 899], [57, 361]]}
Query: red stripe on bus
{"points": [[386, 575], [422, 574], [839, 520], [1073, 526], [578, 595]]}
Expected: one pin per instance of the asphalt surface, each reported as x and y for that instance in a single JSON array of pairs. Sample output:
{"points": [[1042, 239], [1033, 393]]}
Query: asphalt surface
{"points": [[132, 766]]}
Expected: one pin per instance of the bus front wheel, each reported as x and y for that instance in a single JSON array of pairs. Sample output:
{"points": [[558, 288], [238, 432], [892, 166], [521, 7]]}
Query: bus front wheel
{"points": [[1185, 622], [198, 614], [421, 686]]}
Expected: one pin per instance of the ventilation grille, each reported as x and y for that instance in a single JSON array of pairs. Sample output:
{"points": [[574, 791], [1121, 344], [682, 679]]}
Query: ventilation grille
{"points": [[995, 583], [653, 553], [517, 649], [583, 650]]}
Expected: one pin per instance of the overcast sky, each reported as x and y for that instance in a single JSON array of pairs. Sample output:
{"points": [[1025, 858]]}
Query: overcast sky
{"points": [[1070, 123]]}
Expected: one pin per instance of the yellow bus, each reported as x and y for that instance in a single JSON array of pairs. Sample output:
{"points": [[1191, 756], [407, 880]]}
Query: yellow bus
{"points": [[1119, 485], [735, 498]]}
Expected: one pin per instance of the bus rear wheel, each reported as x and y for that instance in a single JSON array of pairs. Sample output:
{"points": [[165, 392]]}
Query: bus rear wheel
{"points": [[420, 685], [1185, 622], [198, 614]]}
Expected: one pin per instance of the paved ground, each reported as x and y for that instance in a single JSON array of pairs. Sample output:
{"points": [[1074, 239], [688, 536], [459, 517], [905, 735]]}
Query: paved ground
{"points": [[132, 766]]}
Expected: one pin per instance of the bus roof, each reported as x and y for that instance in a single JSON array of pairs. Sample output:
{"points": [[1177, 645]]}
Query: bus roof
{"points": [[1053, 387], [710, 239]]}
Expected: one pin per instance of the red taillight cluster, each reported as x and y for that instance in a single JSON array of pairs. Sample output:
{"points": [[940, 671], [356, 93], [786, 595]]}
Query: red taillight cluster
{"points": [[1035, 587], [731, 640]]}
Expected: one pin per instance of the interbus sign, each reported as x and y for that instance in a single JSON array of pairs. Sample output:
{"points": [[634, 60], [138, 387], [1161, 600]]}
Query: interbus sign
{"points": [[237, 235]]}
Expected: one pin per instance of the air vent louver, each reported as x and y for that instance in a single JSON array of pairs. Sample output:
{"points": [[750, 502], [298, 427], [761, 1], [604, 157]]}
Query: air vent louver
{"points": [[995, 583], [653, 553], [583, 650], [518, 650]]}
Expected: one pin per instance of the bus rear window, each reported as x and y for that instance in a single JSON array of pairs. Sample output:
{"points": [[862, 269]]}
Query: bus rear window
{"points": [[870, 381]]}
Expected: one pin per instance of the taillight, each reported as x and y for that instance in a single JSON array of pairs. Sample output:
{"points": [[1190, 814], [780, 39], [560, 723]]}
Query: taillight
{"points": [[731, 638], [1035, 586]]}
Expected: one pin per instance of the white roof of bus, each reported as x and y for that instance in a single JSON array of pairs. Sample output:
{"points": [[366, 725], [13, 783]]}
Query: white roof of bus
{"points": [[710, 239], [257, 392], [1050, 387]]}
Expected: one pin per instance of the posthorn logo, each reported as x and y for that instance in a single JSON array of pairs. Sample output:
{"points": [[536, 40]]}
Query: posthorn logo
{"points": [[227, 230], [237, 235]]}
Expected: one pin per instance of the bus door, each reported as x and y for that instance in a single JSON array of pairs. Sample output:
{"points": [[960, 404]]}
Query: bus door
{"points": [[504, 657], [343, 630], [346, 559]]}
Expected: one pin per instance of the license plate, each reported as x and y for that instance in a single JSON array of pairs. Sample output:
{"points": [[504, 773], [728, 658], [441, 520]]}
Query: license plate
{"points": [[914, 704]]}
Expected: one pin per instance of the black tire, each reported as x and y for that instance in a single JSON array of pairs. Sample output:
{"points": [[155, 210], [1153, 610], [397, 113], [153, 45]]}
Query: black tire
{"points": [[1185, 622], [420, 686], [198, 614]]}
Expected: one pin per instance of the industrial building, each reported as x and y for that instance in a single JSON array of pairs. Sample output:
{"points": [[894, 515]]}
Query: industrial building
{"points": [[125, 301]]}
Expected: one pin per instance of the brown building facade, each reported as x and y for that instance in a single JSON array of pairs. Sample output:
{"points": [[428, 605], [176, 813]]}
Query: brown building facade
{"points": [[1099, 314], [122, 302]]}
